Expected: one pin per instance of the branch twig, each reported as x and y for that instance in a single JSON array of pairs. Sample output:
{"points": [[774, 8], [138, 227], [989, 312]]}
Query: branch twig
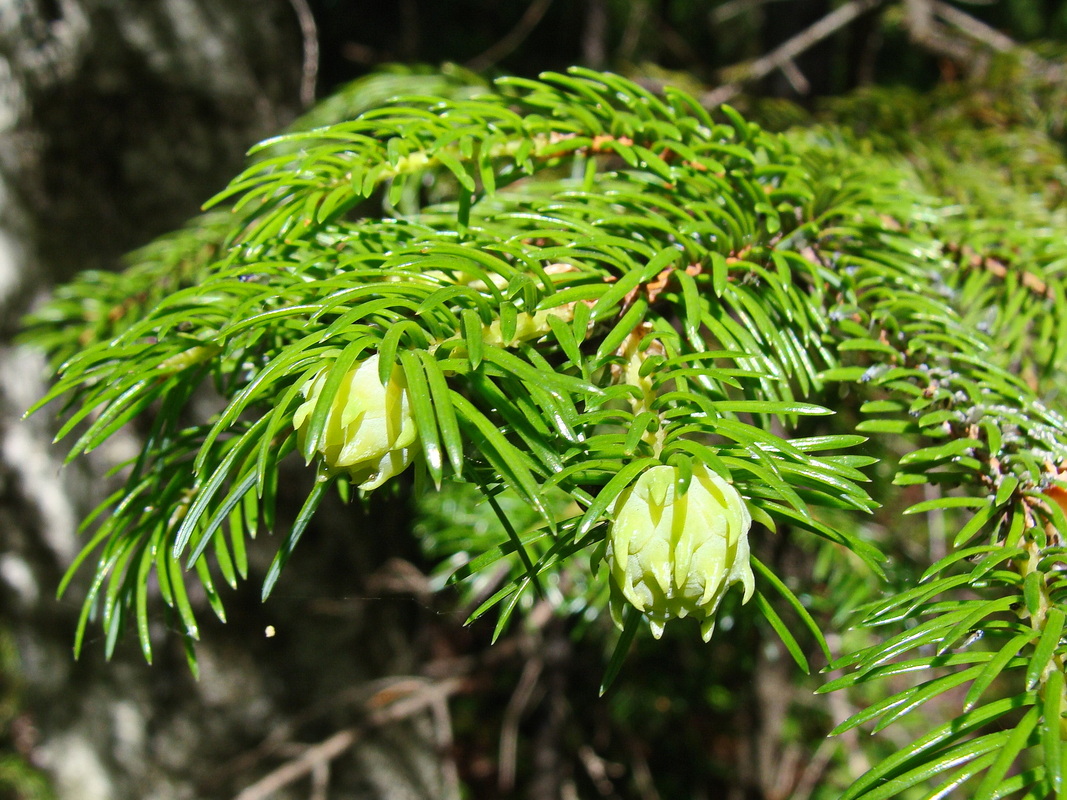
{"points": [[520, 699], [294, 770], [734, 8], [595, 35], [787, 51], [971, 45], [442, 719], [631, 36], [509, 729], [310, 33], [411, 703], [974, 28], [814, 769], [533, 14], [926, 32], [795, 77], [361, 698], [320, 781]]}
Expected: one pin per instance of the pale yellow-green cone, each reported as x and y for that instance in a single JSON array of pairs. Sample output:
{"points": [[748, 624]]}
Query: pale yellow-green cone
{"points": [[370, 430], [527, 326], [674, 556]]}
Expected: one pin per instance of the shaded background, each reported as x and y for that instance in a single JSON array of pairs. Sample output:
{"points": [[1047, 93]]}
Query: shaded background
{"points": [[117, 119]]}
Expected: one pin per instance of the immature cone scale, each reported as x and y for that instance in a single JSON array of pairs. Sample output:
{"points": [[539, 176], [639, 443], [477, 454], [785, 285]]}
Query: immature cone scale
{"points": [[370, 430], [674, 555]]}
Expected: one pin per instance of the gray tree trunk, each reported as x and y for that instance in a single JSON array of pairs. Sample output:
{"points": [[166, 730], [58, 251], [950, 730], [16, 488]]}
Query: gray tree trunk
{"points": [[117, 119]]}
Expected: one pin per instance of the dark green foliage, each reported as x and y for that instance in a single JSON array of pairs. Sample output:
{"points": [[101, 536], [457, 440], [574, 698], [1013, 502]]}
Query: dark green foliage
{"points": [[537, 237]]}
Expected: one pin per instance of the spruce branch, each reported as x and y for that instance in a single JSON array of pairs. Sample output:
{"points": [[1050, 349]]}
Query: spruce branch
{"points": [[584, 302]]}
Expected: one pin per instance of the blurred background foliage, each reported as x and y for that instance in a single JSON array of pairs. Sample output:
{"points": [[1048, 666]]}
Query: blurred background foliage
{"points": [[735, 719]]}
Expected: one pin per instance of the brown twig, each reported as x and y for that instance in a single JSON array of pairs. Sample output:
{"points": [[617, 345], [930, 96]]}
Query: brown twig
{"points": [[442, 719], [279, 743], [966, 40], [734, 8], [643, 781], [513, 38], [509, 728], [635, 24], [548, 765], [595, 35], [383, 708], [320, 781], [787, 51], [796, 78], [815, 769], [521, 697], [919, 17], [294, 770], [310, 68], [974, 28], [928, 33], [676, 43], [600, 770], [840, 708]]}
